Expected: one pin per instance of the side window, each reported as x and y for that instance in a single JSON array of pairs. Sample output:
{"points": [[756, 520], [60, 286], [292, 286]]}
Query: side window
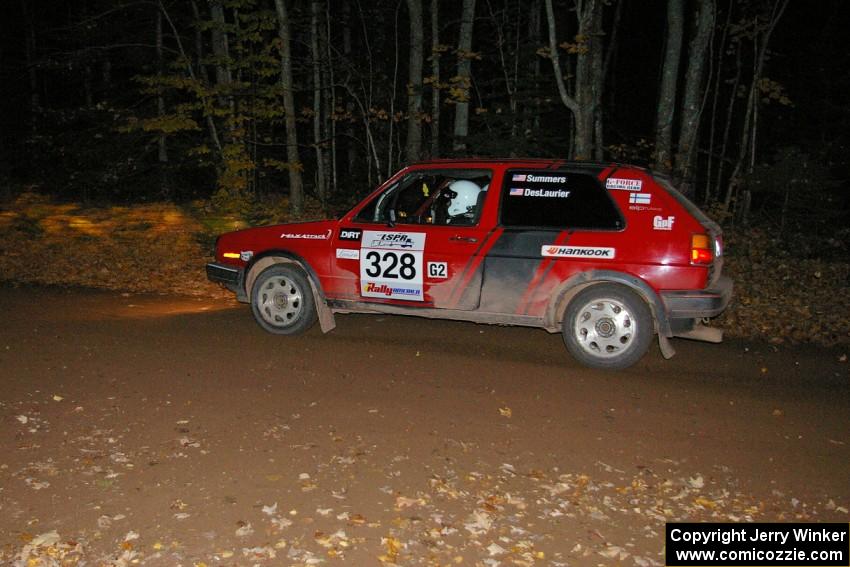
{"points": [[557, 199], [431, 197]]}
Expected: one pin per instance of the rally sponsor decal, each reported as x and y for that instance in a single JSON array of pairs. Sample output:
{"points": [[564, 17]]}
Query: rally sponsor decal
{"points": [[438, 270], [394, 240], [391, 265], [350, 234], [577, 252], [662, 223], [624, 184], [643, 208], [307, 235], [640, 198], [246, 255], [372, 289], [348, 253]]}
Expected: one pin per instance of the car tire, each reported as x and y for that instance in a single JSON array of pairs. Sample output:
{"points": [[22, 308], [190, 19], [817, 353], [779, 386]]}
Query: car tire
{"points": [[607, 326], [282, 300]]}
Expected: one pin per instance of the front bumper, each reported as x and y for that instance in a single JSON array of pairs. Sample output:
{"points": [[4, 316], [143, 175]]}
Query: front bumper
{"points": [[698, 304], [230, 277]]}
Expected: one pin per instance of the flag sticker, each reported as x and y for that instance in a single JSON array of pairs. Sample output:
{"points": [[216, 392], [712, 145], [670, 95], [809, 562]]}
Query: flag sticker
{"points": [[517, 191], [518, 177], [640, 198]]}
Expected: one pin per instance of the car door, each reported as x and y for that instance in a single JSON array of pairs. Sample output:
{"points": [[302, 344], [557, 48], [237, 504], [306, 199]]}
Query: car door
{"points": [[415, 242]]}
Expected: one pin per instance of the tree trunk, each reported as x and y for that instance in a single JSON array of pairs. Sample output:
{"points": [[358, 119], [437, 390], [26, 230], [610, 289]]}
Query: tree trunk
{"points": [[582, 105], [220, 44], [748, 129], [315, 54], [296, 189], [191, 73], [464, 71], [435, 76], [716, 61], [532, 123], [597, 78], [727, 128], [199, 44], [413, 149], [351, 149], [569, 102], [667, 91], [330, 99], [162, 148], [223, 74], [692, 102], [32, 72]]}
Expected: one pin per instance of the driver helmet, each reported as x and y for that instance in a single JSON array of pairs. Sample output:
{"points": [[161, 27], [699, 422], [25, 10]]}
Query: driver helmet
{"points": [[465, 199]]}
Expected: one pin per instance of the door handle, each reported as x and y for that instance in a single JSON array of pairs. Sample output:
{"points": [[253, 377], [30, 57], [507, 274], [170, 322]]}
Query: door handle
{"points": [[459, 238]]}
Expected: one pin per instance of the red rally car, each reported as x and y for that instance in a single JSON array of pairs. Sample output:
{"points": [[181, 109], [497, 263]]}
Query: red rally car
{"points": [[607, 254]]}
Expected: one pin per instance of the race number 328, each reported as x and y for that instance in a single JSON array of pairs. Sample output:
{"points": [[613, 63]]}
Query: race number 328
{"points": [[390, 265]]}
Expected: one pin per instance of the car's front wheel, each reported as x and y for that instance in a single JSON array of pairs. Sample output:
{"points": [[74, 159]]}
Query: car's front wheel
{"points": [[607, 326], [282, 300]]}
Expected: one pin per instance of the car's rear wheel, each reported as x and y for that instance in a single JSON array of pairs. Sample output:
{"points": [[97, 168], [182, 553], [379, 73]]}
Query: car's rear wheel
{"points": [[282, 300], [607, 326]]}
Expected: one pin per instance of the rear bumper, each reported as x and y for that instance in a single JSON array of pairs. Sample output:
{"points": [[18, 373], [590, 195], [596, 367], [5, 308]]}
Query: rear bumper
{"points": [[698, 304], [228, 276]]}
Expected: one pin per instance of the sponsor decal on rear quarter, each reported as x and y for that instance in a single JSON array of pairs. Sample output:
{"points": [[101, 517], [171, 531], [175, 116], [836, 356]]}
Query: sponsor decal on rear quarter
{"points": [[348, 254], [661, 223], [624, 184], [577, 252]]}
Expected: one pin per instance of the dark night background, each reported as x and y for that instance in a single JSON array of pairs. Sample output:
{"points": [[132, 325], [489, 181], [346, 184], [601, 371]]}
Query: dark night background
{"points": [[73, 94]]}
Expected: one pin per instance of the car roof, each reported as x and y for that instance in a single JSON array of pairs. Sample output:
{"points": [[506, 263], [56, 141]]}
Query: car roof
{"points": [[543, 163]]}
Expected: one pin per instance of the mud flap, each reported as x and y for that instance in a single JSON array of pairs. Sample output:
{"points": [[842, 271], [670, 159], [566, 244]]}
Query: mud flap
{"points": [[667, 350], [702, 333], [326, 317]]}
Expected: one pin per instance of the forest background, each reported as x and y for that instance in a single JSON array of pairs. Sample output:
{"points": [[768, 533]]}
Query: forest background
{"points": [[127, 121]]}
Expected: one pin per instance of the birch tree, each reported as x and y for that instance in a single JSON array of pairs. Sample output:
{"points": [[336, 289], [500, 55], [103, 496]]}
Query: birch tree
{"points": [[296, 189], [584, 104], [436, 51], [692, 103], [463, 80], [316, 56], [413, 149]]}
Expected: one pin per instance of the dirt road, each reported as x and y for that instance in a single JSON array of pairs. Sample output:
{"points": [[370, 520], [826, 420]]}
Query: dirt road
{"points": [[166, 431]]}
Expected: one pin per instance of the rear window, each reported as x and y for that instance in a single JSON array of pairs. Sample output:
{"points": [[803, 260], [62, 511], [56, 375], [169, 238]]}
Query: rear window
{"points": [[557, 199]]}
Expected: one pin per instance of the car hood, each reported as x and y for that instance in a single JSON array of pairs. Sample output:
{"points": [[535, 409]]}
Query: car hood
{"points": [[294, 235]]}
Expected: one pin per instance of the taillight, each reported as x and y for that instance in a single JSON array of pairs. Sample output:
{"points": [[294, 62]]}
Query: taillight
{"points": [[701, 249]]}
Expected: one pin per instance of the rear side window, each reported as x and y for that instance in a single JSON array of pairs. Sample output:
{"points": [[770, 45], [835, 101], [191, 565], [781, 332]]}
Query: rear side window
{"points": [[557, 199]]}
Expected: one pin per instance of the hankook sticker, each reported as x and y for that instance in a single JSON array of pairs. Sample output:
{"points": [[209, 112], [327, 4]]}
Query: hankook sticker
{"points": [[577, 252]]}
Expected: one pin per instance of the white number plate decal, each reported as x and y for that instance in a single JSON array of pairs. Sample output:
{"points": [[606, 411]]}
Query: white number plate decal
{"points": [[391, 265]]}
